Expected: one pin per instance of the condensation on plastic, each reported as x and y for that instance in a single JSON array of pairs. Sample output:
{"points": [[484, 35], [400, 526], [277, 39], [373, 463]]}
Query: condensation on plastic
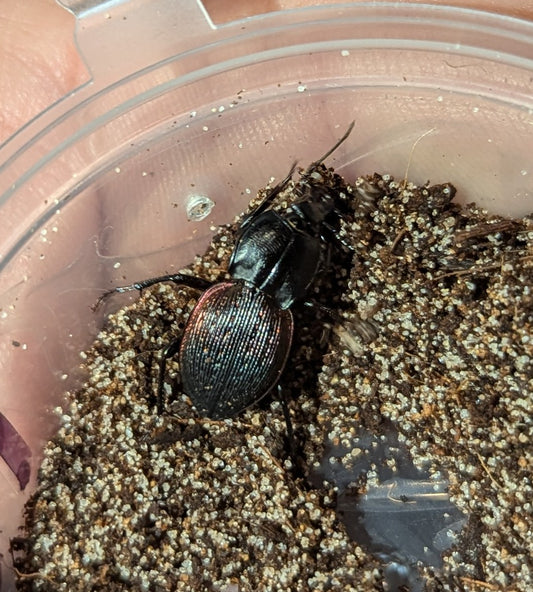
{"points": [[93, 192]]}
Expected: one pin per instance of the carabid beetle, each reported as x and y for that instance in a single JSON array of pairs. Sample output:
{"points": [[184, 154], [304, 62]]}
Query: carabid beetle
{"points": [[236, 341]]}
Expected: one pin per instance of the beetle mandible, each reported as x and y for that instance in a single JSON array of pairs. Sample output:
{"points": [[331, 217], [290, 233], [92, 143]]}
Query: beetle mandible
{"points": [[237, 339]]}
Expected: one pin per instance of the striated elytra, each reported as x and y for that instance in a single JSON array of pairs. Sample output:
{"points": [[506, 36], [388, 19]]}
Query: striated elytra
{"points": [[233, 349]]}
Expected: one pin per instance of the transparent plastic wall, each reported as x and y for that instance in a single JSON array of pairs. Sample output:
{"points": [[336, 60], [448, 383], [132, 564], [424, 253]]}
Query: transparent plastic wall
{"points": [[93, 193]]}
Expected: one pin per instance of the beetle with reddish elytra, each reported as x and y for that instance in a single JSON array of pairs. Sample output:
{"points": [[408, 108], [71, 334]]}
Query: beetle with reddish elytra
{"points": [[237, 339]]}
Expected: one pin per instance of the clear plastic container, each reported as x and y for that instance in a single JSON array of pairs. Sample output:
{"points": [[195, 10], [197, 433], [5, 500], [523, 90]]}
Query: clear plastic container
{"points": [[94, 191]]}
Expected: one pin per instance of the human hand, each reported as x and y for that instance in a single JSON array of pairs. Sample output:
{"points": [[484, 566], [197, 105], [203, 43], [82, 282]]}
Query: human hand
{"points": [[39, 62]]}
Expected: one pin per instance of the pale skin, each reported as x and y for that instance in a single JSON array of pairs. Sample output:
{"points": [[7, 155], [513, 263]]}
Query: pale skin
{"points": [[39, 63]]}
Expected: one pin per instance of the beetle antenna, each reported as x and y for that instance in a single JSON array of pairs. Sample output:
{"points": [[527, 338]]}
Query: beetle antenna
{"points": [[313, 165], [274, 192]]}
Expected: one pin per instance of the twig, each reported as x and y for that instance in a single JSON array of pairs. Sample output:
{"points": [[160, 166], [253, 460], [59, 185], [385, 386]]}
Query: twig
{"points": [[486, 585], [35, 575], [496, 484], [398, 238], [485, 229], [471, 271]]}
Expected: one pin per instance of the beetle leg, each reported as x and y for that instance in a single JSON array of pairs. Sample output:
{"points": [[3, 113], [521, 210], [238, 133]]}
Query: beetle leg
{"points": [[332, 234], [168, 352], [180, 279], [291, 441], [332, 314], [287, 415]]}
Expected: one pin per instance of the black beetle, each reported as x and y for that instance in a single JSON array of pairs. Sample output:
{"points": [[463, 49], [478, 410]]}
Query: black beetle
{"points": [[238, 336]]}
